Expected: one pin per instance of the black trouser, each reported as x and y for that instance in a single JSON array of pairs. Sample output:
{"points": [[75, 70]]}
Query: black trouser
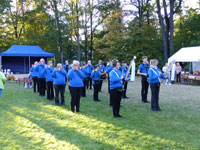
{"points": [[50, 92], [96, 92], [116, 100], [101, 83], [108, 84], [59, 89], [89, 85], [145, 86], [42, 86], [155, 89], [178, 77], [75, 98], [125, 89], [35, 84], [83, 92]]}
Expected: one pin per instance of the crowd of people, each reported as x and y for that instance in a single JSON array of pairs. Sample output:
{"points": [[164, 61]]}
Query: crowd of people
{"points": [[52, 82], [80, 78]]}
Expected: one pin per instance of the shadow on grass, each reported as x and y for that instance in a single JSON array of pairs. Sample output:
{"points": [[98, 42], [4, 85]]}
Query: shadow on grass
{"points": [[60, 132]]}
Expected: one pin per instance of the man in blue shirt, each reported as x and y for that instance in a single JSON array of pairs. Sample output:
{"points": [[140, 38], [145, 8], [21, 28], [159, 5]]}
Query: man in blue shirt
{"points": [[155, 74], [49, 80], [125, 82], [116, 78], [143, 71], [109, 68], [66, 66], [40, 68], [90, 68], [103, 75], [34, 74]]}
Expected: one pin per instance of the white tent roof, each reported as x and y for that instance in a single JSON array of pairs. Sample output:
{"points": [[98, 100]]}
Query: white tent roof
{"points": [[186, 54]]}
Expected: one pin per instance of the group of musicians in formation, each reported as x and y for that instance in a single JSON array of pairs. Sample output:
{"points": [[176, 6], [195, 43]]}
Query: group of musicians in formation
{"points": [[79, 78]]}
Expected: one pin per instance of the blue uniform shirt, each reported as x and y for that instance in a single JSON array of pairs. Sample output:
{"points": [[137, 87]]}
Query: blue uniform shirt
{"points": [[144, 68], [59, 77], [90, 68], [49, 72], [101, 68], [115, 79], [95, 76], [109, 68], [86, 71], [76, 78], [41, 70], [153, 74], [34, 72]]}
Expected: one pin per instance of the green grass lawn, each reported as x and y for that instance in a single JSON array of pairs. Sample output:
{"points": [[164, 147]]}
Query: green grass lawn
{"points": [[28, 122]]}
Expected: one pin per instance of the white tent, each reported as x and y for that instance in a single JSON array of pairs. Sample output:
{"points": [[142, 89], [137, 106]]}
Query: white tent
{"points": [[186, 54]]}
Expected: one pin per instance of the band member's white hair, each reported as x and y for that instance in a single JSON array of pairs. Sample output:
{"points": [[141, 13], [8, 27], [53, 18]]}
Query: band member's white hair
{"points": [[75, 63], [59, 65], [153, 61]]}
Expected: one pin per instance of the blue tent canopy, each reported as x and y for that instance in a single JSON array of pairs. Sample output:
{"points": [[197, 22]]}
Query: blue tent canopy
{"points": [[24, 50], [20, 57]]}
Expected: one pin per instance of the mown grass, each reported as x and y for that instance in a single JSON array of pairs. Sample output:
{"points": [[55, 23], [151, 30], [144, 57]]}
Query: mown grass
{"points": [[28, 122]]}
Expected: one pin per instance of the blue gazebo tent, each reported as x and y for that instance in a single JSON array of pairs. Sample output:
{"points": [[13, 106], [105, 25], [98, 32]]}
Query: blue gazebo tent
{"points": [[20, 57]]}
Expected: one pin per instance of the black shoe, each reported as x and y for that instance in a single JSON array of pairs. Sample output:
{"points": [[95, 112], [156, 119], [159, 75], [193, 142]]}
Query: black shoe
{"points": [[146, 101], [115, 116], [159, 109], [78, 111], [125, 97], [119, 116], [98, 100]]}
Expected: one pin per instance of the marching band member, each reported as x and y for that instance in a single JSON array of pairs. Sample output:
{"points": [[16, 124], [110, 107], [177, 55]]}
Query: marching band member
{"points": [[109, 68], [116, 88], [66, 66], [35, 77], [86, 71], [102, 70], [155, 75], [75, 77], [49, 80], [96, 78], [90, 68], [40, 68], [125, 82], [143, 71], [59, 82]]}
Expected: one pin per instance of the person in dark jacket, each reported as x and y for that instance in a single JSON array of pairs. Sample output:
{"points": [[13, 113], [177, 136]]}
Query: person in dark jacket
{"points": [[155, 75], [59, 82], [96, 78], [75, 76], [103, 73], [86, 71], [49, 80], [40, 68], [116, 78], [35, 77], [90, 68]]}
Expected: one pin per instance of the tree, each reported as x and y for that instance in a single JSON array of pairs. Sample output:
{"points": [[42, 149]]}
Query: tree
{"points": [[167, 24]]}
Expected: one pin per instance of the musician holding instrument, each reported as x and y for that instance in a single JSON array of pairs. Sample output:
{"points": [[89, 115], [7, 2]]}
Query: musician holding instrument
{"points": [[103, 73], [143, 71], [116, 78], [125, 82]]}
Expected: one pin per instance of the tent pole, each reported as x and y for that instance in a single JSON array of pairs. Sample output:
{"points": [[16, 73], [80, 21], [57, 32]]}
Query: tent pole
{"points": [[29, 60]]}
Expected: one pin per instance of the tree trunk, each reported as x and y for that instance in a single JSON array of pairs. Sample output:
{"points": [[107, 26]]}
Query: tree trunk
{"points": [[91, 30], [59, 31], [77, 32], [161, 20], [171, 22]]}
